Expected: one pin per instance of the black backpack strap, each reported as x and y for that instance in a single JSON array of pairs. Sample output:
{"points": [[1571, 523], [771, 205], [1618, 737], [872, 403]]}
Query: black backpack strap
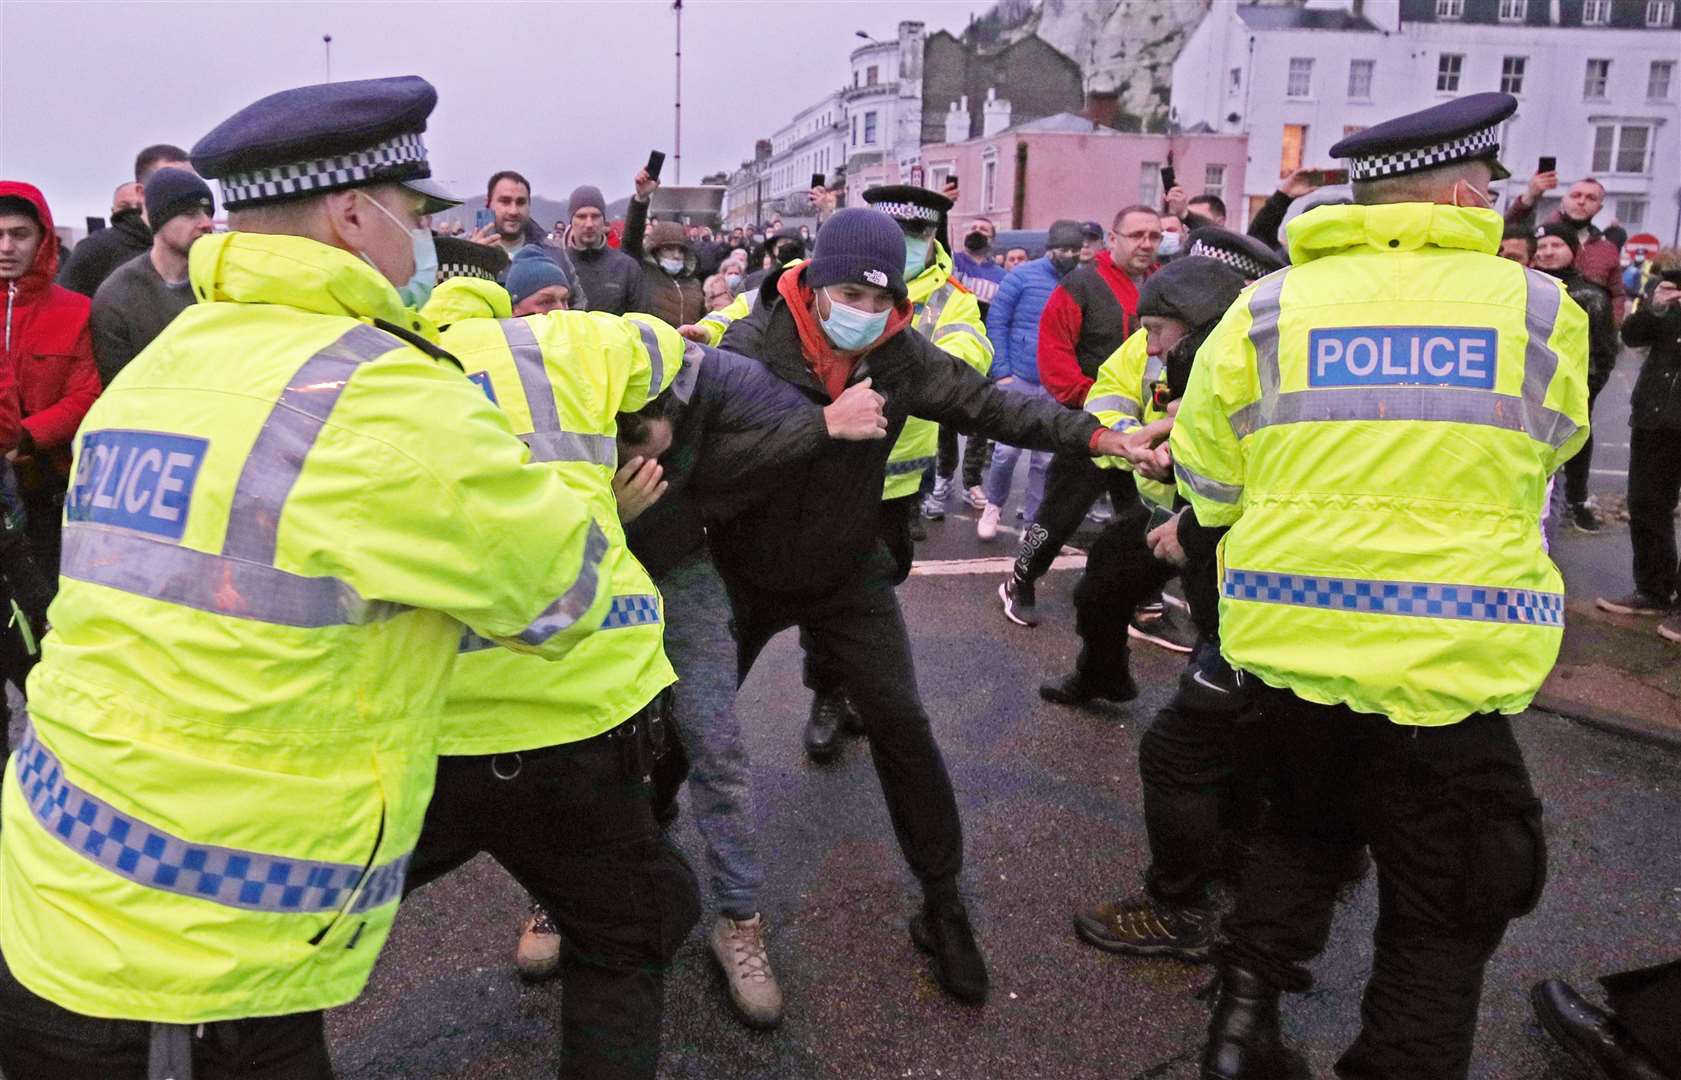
{"points": [[436, 352]]}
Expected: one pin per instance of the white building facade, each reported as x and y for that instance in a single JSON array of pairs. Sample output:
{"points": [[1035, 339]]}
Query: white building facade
{"points": [[1596, 82]]}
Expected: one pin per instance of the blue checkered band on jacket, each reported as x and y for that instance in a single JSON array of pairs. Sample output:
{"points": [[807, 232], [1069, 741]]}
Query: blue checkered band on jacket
{"points": [[900, 468], [631, 611], [1237, 260], [150, 856], [401, 157], [1417, 158], [1474, 602], [904, 211]]}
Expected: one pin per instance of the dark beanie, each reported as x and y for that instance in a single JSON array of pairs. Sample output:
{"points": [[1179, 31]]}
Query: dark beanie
{"points": [[861, 247], [532, 269], [582, 196], [1564, 231], [1196, 290], [1065, 233], [172, 192]]}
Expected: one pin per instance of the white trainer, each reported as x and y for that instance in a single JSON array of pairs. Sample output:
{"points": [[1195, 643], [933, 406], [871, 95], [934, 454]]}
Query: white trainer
{"points": [[987, 527]]}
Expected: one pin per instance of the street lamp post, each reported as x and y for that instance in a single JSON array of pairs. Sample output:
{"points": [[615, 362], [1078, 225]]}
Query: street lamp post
{"points": [[327, 46]]}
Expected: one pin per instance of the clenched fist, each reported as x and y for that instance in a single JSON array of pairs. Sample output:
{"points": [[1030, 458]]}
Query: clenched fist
{"points": [[857, 415]]}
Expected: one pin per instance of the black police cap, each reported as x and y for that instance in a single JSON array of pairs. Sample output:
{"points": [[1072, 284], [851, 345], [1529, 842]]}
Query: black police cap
{"points": [[1245, 254], [1464, 129], [907, 202], [314, 139]]}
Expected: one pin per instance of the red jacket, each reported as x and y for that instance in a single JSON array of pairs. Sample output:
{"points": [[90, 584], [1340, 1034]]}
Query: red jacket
{"points": [[47, 363], [1070, 352]]}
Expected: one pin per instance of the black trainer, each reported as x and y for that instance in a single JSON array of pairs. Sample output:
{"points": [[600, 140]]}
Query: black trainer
{"points": [[1077, 689], [1244, 1042], [943, 932], [822, 727], [1583, 519], [1142, 926], [1018, 601], [1161, 627]]}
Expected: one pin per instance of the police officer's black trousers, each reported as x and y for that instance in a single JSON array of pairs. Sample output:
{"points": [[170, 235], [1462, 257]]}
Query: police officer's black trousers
{"points": [[1072, 484], [41, 1041], [575, 826], [1455, 831], [857, 632]]}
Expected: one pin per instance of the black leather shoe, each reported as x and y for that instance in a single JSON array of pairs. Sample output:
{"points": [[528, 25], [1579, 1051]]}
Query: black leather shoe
{"points": [[851, 722], [1076, 689], [944, 933], [1244, 1042], [1589, 1035], [822, 728]]}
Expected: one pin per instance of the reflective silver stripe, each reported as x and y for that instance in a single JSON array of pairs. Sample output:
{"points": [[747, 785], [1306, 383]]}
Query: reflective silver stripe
{"points": [[683, 386], [219, 584], [571, 446], [1113, 403], [656, 362], [900, 468], [1153, 368], [1208, 488], [1476, 603], [1440, 403], [964, 328], [575, 601], [718, 317], [156, 859], [1540, 361], [533, 375], [1263, 336], [277, 456]]}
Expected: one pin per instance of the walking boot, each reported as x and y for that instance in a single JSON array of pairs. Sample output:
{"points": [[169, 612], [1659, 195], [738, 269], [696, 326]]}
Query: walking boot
{"points": [[1244, 1042], [822, 728], [1089, 684], [537, 957], [942, 931], [1141, 925]]}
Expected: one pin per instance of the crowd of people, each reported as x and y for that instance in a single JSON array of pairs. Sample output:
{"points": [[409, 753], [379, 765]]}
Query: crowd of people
{"points": [[376, 546]]}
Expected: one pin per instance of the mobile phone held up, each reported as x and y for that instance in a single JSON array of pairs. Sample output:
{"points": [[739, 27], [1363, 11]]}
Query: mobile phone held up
{"points": [[817, 180], [1327, 177], [1548, 164], [656, 162], [483, 216], [1167, 180]]}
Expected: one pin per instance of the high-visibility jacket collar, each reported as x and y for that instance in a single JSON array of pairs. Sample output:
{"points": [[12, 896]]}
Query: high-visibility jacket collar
{"points": [[932, 278], [462, 298], [1330, 230], [295, 272]]}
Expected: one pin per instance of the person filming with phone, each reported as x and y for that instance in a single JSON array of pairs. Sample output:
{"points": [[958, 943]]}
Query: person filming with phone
{"points": [[1597, 258]]}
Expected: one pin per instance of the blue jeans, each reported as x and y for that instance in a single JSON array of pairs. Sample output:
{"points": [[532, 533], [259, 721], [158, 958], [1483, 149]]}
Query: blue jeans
{"points": [[1003, 468], [703, 653]]}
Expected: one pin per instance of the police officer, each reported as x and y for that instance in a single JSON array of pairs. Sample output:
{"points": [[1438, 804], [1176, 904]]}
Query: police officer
{"points": [[547, 766], [277, 524], [948, 315], [1377, 424]]}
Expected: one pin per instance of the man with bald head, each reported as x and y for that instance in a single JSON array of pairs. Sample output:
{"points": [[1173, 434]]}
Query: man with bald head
{"points": [[1597, 257]]}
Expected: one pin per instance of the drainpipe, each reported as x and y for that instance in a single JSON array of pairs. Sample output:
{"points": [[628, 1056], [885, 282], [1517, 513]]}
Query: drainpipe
{"points": [[1018, 202]]}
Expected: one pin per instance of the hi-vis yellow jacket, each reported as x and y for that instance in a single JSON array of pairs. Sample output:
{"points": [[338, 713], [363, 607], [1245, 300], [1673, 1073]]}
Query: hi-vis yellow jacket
{"points": [[1123, 397], [562, 378], [280, 517], [1377, 424], [948, 315]]}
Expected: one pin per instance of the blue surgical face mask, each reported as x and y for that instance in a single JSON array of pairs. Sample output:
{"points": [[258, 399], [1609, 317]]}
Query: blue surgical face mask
{"points": [[916, 257], [732, 280], [1169, 244], [850, 329], [673, 266], [419, 287]]}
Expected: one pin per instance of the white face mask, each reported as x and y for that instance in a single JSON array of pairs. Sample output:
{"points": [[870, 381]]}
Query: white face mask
{"points": [[672, 266], [1169, 244], [418, 289]]}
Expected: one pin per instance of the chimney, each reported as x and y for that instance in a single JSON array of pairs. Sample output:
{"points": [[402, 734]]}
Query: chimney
{"points": [[762, 151], [957, 122], [995, 114], [1103, 107]]}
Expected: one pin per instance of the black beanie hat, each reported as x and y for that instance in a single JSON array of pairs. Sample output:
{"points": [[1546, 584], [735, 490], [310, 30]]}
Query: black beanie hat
{"points": [[172, 192], [861, 247], [1564, 231], [1065, 233], [1196, 290]]}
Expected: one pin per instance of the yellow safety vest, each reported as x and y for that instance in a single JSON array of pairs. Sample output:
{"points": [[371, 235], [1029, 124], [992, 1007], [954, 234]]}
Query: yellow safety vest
{"points": [[562, 378], [1377, 424], [1123, 397], [948, 315], [279, 519]]}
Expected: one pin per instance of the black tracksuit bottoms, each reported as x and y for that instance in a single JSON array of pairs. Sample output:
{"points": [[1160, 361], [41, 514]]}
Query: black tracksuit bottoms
{"points": [[1072, 484], [856, 632], [1455, 831]]}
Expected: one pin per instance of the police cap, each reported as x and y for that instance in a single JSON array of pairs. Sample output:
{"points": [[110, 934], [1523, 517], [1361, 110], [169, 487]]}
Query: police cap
{"points": [[315, 139], [1245, 254], [463, 258], [1464, 129], [907, 203]]}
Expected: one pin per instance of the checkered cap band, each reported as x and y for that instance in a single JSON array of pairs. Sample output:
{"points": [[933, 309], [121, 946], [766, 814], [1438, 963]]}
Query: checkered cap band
{"points": [[1416, 158], [401, 157], [906, 211], [447, 270], [1237, 260]]}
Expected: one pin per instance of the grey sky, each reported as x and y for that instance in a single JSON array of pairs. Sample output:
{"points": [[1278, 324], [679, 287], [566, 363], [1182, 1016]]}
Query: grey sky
{"points": [[567, 92]]}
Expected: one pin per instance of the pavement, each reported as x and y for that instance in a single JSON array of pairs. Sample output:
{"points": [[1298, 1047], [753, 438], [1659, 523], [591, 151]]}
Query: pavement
{"points": [[1051, 806]]}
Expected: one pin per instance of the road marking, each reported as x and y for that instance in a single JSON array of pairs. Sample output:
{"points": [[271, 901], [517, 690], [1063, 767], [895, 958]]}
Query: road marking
{"points": [[1002, 564], [1608, 472]]}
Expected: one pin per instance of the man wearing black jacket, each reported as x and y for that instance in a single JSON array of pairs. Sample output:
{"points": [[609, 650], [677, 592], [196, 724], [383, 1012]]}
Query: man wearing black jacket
{"points": [[95, 258], [810, 555]]}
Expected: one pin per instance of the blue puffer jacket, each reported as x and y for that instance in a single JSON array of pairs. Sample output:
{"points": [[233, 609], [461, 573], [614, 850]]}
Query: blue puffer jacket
{"points": [[1012, 323]]}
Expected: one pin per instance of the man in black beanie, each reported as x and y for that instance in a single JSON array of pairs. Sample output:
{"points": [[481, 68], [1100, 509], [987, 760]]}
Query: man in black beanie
{"points": [[97, 257], [809, 553], [1557, 245], [146, 293], [611, 280]]}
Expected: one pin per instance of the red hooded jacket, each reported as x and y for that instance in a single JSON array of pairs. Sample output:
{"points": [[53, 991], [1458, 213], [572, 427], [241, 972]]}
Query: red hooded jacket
{"points": [[46, 365]]}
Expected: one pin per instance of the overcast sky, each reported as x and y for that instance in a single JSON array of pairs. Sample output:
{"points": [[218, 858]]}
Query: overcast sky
{"points": [[567, 91]]}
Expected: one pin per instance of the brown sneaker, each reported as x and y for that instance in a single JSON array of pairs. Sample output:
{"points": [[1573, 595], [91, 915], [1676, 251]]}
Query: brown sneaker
{"points": [[1142, 926], [538, 954], [739, 948]]}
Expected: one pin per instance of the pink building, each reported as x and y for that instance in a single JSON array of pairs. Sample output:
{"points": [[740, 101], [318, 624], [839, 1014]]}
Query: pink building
{"points": [[1066, 166]]}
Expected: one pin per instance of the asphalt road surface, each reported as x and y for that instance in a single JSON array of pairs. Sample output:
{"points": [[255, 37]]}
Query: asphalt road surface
{"points": [[1050, 801]]}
